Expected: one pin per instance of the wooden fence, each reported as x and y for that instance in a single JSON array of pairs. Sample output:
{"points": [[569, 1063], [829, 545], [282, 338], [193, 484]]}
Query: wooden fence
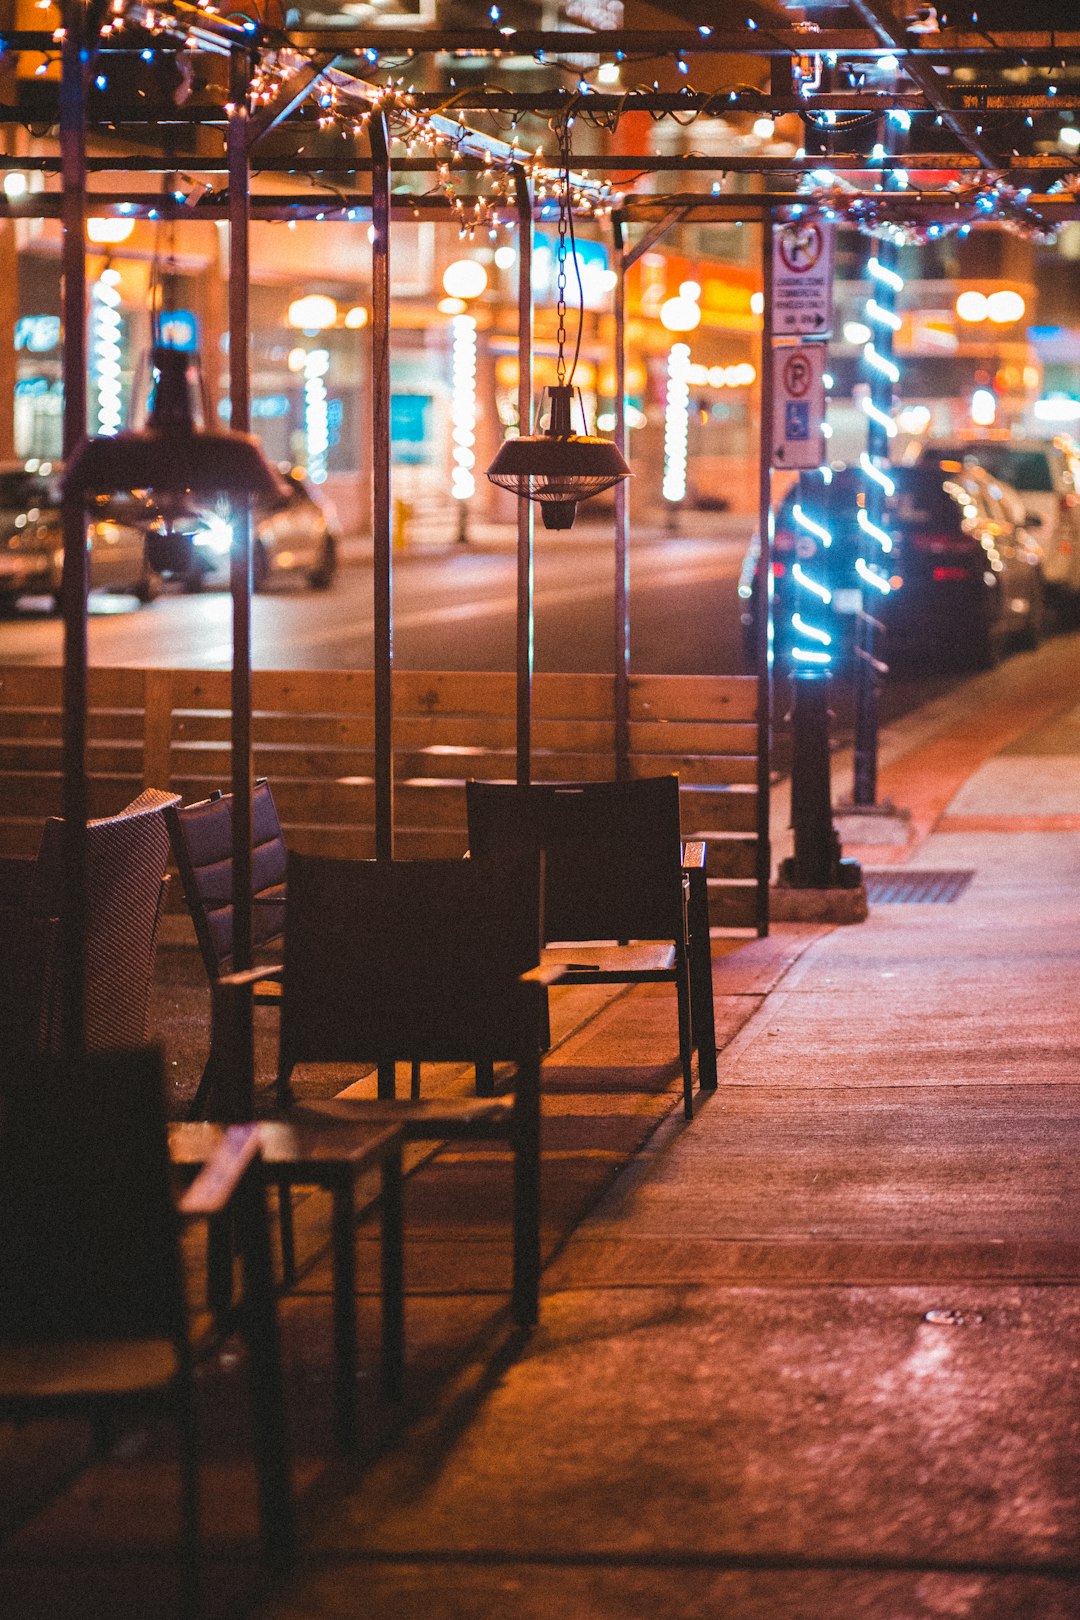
{"points": [[314, 734]]}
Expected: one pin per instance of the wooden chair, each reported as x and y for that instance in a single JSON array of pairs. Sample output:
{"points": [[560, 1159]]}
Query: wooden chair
{"points": [[201, 836], [93, 1318], [126, 856], [404, 961], [615, 870]]}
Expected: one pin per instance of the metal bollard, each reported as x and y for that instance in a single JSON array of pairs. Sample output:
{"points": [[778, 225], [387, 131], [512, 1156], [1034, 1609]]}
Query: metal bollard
{"points": [[816, 863]]}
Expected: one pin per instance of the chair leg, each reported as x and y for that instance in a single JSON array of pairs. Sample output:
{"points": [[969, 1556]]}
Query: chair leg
{"points": [[702, 1010], [267, 1384], [414, 1082], [686, 1041], [219, 1266], [525, 1300], [189, 1497], [287, 1233], [387, 1081], [485, 1077]]}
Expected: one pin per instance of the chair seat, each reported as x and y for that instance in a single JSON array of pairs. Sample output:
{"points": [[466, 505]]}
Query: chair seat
{"points": [[640, 956], [422, 1120], [51, 1371]]}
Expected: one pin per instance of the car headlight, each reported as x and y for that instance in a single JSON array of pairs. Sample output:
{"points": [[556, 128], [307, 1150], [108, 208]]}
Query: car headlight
{"points": [[216, 535]]}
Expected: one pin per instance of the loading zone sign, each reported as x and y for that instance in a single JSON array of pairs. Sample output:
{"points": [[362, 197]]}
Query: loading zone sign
{"points": [[802, 279], [799, 406]]}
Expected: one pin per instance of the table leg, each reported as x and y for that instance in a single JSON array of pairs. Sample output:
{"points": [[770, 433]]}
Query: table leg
{"points": [[393, 1281], [345, 1346]]}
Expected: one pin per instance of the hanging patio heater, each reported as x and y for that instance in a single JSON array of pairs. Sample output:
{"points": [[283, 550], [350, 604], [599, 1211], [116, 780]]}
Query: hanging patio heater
{"points": [[558, 467], [172, 458]]}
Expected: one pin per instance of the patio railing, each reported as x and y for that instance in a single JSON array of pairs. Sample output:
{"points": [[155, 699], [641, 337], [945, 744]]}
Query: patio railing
{"points": [[313, 738]]}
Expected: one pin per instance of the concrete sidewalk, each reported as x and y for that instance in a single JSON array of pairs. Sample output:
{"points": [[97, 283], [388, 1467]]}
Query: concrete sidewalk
{"points": [[817, 1353]]}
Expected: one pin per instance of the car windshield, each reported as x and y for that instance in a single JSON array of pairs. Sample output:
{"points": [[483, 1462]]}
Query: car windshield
{"points": [[1024, 469], [20, 490]]}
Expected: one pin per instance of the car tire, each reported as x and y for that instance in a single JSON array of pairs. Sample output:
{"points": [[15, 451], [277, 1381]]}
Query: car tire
{"points": [[1067, 603], [148, 588], [193, 582], [1031, 635], [260, 567], [321, 578], [983, 650]]}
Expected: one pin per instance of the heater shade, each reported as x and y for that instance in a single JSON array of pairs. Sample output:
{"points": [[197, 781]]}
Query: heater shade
{"points": [[171, 457], [558, 468], [555, 469], [172, 464]]}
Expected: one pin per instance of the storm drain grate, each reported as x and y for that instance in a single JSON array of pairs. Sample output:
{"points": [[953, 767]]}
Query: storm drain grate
{"points": [[915, 888]]}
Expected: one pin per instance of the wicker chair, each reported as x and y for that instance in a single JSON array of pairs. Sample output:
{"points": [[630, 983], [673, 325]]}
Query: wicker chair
{"points": [[126, 856]]}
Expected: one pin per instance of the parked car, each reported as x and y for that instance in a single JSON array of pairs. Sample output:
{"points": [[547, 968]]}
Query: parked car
{"points": [[1046, 476], [965, 574], [32, 541], [297, 538]]}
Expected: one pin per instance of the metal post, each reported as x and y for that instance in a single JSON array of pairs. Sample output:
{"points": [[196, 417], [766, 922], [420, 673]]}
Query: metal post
{"points": [[525, 549], [382, 511], [622, 521], [240, 570], [816, 862], [764, 591], [76, 565]]}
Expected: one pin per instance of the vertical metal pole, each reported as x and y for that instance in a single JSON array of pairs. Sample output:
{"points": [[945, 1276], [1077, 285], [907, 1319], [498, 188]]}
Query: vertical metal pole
{"points": [[240, 570], [764, 591], [382, 513], [76, 567], [622, 521], [525, 549]]}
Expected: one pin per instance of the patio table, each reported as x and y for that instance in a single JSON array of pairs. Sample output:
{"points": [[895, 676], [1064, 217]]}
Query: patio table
{"points": [[301, 1150]]}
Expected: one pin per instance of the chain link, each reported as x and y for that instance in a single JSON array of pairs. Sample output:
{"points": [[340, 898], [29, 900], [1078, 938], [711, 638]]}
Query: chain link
{"points": [[560, 262]]}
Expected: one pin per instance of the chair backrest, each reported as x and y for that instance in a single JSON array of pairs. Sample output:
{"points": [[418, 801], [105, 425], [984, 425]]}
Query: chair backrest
{"points": [[612, 851], [126, 857], [408, 959], [202, 848], [88, 1229]]}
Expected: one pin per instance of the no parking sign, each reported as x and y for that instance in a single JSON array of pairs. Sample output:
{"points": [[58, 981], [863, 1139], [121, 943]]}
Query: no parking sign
{"points": [[802, 279], [799, 406]]}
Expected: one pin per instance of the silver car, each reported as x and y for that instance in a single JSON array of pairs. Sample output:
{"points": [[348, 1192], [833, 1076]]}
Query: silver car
{"points": [[298, 538], [32, 541]]}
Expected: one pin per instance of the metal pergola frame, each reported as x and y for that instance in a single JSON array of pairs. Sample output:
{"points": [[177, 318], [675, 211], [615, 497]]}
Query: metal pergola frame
{"points": [[310, 58]]}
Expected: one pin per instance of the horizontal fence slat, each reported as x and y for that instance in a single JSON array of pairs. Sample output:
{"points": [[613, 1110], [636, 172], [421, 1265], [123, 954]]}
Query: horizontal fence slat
{"points": [[703, 769], [731, 857], [693, 697], [732, 905], [705, 811], [693, 737]]}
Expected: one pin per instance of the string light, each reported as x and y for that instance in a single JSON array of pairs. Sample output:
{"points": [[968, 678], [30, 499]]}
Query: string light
{"points": [[316, 413], [106, 338], [463, 406], [676, 422]]}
